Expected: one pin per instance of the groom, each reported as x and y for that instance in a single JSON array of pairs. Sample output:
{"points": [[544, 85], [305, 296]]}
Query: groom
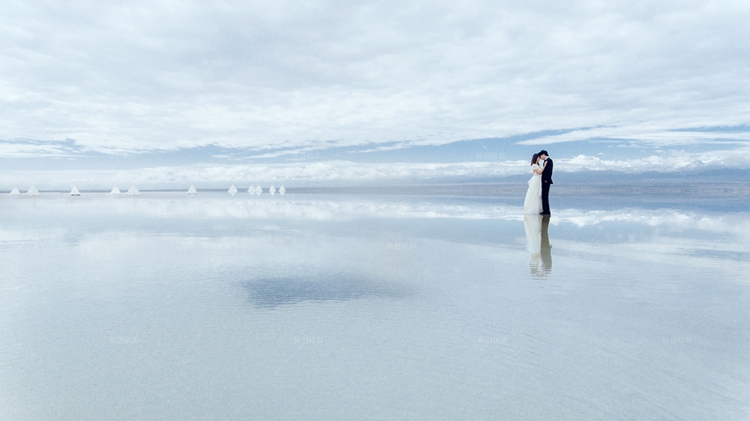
{"points": [[546, 181]]}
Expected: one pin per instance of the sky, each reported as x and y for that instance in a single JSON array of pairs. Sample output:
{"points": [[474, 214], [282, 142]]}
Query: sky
{"points": [[198, 87]]}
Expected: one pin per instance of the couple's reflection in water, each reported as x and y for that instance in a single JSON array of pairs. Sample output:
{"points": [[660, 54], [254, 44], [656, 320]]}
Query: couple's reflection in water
{"points": [[537, 243]]}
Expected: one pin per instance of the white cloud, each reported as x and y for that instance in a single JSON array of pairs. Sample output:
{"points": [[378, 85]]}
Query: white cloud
{"points": [[319, 172], [143, 75], [641, 134], [31, 149]]}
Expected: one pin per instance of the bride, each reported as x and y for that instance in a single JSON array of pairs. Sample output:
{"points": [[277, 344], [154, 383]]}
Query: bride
{"points": [[533, 202]]}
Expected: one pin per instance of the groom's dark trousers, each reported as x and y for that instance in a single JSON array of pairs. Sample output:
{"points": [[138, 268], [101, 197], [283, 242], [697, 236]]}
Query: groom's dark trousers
{"points": [[546, 184]]}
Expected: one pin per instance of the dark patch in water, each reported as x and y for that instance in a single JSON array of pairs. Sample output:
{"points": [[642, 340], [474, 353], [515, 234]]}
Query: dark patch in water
{"points": [[738, 256], [273, 292]]}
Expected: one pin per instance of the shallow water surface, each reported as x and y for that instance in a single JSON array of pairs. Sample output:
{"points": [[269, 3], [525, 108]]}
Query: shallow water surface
{"points": [[340, 307]]}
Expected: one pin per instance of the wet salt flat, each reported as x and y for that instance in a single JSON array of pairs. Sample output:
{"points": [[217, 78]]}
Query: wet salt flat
{"points": [[165, 306]]}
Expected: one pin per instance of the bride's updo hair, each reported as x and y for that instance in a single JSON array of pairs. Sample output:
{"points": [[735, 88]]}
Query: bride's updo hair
{"points": [[534, 158]]}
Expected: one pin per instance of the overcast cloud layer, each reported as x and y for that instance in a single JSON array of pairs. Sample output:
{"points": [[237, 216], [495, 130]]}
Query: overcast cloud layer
{"points": [[316, 74]]}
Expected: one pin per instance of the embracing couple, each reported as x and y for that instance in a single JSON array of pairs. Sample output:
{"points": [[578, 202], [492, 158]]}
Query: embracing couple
{"points": [[537, 196]]}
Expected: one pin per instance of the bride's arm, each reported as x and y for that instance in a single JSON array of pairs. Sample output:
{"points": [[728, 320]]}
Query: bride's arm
{"points": [[540, 168]]}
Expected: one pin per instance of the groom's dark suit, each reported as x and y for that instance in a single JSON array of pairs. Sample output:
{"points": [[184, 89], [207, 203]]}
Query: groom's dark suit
{"points": [[546, 184]]}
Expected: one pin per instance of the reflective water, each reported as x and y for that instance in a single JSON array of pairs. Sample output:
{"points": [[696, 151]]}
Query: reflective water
{"points": [[345, 307]]}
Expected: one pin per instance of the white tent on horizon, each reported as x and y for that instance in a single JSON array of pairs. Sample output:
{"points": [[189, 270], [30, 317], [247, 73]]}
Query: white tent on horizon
{"points": [[133, 191], [232, 190], [282, 190], [272, 190], [115, 191], [192, 190], [32, 192], [258, 190], [75, 192], [251, 190], [15, 192]]}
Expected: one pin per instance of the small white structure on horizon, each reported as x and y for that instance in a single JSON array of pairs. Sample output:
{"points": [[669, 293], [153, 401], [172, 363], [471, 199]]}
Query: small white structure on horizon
{"points": [[32, 192], [251, 190], [272, 190], [282, 190], [192, 190], [258, 190], [232, 190], [133, 191], [15, 192], [75, 192], [115, 191]]}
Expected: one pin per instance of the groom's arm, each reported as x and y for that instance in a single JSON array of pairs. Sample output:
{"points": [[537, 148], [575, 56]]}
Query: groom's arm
{"points": [[547, 175]]}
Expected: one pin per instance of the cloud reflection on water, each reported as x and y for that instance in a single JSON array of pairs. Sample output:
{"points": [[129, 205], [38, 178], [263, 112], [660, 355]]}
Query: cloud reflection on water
{"points": [[314, 207], [638, 232]]}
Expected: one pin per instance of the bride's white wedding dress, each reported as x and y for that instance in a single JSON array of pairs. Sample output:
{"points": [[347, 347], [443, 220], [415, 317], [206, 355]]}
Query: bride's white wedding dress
{"points": [[533, 202]]}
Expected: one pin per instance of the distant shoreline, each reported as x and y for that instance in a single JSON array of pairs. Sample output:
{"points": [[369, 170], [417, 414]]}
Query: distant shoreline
{"points": [[515, 189], [518, 190]]}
